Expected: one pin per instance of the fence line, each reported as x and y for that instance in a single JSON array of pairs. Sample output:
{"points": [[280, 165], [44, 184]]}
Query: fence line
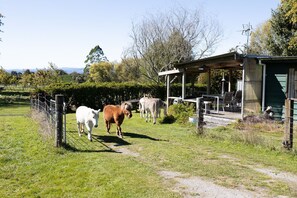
{"points": [[289, 123], [55, 112]]}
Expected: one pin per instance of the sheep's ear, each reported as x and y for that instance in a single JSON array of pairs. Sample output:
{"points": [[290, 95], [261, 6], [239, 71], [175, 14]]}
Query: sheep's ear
{"points": [[99, 110]]}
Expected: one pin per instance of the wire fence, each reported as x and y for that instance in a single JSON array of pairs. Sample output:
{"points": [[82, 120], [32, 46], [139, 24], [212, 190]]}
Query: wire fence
{"points": [[289, 120], [55, 113]]}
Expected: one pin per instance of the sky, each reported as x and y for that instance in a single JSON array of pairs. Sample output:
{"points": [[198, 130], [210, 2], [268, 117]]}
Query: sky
{"points": [[37, 32]]}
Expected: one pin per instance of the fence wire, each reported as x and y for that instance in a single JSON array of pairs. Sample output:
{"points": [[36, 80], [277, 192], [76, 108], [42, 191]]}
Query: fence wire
{"points": [[47, 107]]}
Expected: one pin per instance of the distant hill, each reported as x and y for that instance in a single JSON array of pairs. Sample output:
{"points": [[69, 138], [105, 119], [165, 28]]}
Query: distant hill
{"points": [[68, 70]]}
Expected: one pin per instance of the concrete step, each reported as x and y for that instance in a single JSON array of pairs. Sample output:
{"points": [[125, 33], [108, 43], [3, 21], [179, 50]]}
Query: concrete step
{"points": [[213, 121]]}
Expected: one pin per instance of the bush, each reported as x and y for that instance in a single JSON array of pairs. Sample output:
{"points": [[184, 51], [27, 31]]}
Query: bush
{"points": [[96, 95], [169, 119], [181, 112]]}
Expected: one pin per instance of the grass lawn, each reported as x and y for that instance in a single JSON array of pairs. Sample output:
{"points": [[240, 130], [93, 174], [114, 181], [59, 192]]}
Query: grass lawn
{"points": [[113, 167]]}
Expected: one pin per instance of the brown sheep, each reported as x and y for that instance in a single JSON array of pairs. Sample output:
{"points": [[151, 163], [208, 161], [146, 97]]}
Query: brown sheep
{"points": [[116, 114]]}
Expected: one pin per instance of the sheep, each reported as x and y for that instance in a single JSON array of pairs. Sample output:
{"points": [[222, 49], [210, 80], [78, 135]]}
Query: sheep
{"points": [[88, 117], [152, 106], [116, 114]]}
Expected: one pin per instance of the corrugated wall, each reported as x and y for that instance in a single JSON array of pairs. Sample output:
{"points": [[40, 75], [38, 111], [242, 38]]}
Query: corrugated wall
{"points": [[276, 86]]}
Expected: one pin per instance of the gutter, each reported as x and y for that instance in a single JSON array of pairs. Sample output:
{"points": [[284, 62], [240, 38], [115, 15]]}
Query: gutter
{"points": [[263, 84]]}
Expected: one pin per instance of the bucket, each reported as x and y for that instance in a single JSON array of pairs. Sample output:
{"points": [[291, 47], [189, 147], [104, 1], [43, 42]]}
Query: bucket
{"points": [[193, 119]]}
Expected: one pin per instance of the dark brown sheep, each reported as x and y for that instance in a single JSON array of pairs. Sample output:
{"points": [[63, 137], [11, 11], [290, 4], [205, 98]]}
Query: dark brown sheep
{"points": [[116, 114]]}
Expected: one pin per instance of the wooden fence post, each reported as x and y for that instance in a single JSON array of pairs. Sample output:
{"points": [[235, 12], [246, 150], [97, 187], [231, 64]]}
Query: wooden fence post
{"points": [[289, 120], [199, 112], [59, 98]]}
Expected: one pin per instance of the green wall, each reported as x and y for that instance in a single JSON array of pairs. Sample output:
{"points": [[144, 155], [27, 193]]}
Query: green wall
{"points": [[276, 86]]}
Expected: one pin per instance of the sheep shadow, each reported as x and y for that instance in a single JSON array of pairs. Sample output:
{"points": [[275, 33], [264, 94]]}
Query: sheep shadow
{"points": [[82, 144], [136, 135], [74, 149], [111, 139]]}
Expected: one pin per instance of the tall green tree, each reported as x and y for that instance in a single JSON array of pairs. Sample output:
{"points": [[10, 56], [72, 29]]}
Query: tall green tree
{"points": [[4, 76], [102, 72], [95, 55], [278, 35], [283, 36], [27, 78], [128, 71], [260, 39], [47, 76]]}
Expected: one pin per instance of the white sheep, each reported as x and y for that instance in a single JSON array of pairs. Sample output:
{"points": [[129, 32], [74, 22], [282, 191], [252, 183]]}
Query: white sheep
{"points": [[88, 117]]}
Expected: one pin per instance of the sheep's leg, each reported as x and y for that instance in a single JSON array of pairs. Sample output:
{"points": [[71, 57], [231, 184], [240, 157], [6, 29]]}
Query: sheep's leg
{"points": [[107, 124], [146, 115], [119, 131], [159, 113], [140, 110], [90, 135], [78, 129], [89, 132], [154, 114]]}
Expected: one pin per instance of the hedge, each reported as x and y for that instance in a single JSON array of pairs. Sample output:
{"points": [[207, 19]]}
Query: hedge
{"points": [[96, 95]]}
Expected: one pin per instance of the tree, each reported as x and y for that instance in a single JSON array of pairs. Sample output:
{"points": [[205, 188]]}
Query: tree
{"points": [[4, 76], [259, 39], [277, 36], [96, 55], [162, 40], [27, 78], [128, 71], [283, 37], [102, 72], [47, 76], [76, 77], [291, 10]]}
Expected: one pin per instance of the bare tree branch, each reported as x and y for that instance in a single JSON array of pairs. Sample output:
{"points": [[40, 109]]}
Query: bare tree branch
{"points": [[162, 40]]}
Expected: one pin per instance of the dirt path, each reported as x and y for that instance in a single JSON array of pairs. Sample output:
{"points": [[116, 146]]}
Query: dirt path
{"points": [[190, 187]]}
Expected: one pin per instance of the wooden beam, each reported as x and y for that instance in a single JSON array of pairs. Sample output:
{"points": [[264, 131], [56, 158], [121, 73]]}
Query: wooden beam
{"points": [[174, 71]]}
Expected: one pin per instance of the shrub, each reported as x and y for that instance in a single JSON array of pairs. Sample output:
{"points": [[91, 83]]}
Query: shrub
{"points": [[96, 95], [181, 112], [169, 119]]}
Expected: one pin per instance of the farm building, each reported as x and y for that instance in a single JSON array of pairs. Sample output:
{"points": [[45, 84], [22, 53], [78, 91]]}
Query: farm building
{"points": [[264, 81]]}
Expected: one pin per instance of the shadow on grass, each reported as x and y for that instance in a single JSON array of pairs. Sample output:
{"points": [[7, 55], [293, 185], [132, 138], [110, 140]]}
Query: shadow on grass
{"points": [[82, 144], [102, 142], [74, 149], [136, 135], [111, 139]]}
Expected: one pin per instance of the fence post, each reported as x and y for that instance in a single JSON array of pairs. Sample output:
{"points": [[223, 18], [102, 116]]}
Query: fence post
{"points": [[59, 98], [289, 120], [199, 112]]}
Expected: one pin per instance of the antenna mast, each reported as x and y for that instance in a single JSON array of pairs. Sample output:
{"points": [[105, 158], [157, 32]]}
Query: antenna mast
{"points": [[247, 30]]}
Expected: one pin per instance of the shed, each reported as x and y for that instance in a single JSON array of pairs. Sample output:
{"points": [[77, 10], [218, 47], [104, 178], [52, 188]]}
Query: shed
{"points": [[280, 82], [266, 80]]}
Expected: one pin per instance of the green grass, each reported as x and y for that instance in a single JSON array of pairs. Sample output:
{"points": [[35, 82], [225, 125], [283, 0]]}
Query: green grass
{"points": [[31, 166]]}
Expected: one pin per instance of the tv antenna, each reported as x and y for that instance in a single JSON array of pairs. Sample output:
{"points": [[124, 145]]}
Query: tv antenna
{"points": [[247, 30]]}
